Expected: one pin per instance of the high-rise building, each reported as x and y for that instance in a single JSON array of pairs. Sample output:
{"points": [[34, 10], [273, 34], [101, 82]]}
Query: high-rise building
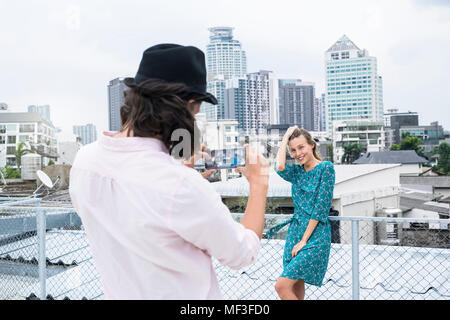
{"points": [[323, 113], [317, 107], [116, 98], [43, 110], [225, 59], [297, 103], [87, 133], [224, 55], [353, 87], [252, 101], [215, 86]]}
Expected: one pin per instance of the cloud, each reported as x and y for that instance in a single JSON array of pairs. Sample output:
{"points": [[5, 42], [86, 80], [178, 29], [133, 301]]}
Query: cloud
{"points": [[439, 3]]}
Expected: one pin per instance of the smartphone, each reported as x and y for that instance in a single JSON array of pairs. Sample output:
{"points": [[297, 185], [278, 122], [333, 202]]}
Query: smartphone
{"points": [[226, 159]]}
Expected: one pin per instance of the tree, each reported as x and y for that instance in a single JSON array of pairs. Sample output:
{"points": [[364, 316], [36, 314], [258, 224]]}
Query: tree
{"points": [[9, 172], [405, 134], [443, 164], [352, 152], [330, 153], [411, 143], [21, 150]]}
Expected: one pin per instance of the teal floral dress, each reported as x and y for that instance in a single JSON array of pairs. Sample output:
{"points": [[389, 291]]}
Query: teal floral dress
{"points": [[312, 193]]}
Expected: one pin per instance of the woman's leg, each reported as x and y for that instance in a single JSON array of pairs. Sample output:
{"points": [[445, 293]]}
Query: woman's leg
{"points": [[285, 288], [299, 289]]}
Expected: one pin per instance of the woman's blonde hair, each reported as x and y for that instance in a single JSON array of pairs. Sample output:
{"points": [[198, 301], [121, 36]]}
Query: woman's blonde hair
{"points": [[309, 139]]}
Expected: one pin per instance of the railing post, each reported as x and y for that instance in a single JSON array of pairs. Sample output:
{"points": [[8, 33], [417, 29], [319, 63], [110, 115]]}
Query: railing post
{"points": [[42, 263], [355, 259]]}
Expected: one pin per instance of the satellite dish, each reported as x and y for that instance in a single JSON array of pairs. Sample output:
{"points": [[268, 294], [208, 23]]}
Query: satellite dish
{"points": [[44, 178]]}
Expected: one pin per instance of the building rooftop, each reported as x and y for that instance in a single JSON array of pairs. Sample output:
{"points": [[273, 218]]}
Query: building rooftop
{"points": [[344, 43], [385, 157], [19, 117], [278, 187]]}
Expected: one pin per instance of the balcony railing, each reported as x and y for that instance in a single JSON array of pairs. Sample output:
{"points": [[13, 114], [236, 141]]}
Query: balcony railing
{"points": [[44, 254]]}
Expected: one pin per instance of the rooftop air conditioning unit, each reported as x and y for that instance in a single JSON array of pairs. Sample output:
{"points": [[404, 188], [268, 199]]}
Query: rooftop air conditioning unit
{"points": [[30, 164]]}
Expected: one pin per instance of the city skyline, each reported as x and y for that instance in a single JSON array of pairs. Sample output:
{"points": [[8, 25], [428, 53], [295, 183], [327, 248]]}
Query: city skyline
{"points": [[67, 59]]}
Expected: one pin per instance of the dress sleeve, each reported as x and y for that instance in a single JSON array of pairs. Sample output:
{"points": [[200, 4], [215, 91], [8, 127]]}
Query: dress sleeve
{"points": [[199, 216], [288, 173], [325, 194]]}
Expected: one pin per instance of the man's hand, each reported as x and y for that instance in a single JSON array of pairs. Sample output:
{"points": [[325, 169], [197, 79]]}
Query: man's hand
{"points": [[202, 154], [208, 173], [197, 156], [256, 169]]}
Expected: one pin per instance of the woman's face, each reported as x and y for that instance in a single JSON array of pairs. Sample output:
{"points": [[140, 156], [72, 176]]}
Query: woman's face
{"points": [[300, 150]]}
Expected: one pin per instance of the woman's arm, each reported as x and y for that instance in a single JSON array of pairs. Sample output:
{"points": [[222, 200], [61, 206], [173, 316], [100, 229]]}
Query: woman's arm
{"points": [[281, 155], [308, 232], [309, 229]]}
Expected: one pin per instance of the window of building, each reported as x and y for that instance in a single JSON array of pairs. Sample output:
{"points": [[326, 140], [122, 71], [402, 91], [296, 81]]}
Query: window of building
{"points": [[11, 150], [11, 127], [23, 138], [26, 128], [11, 161], [2, 139], [374, 135], [12, 139], [2, 128]]}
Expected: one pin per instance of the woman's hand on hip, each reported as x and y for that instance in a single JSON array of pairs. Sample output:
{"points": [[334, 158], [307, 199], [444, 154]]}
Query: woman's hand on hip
{"points": [[299, 246]]}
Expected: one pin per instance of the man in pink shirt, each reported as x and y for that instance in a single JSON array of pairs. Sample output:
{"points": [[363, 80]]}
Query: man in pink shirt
{"points": [[152, 222]]}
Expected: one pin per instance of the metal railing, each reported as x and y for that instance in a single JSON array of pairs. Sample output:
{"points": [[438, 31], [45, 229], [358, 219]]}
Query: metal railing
{"points": [[44, 254]]}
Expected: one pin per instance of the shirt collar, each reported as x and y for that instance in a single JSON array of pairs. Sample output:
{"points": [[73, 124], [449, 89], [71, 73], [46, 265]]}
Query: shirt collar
{"points": [[130, 144]]}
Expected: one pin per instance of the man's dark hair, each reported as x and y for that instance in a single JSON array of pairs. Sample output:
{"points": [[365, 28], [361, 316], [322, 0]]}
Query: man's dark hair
{"points": [[158, 108]]}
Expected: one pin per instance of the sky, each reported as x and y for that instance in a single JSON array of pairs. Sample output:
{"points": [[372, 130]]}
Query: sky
{"points": [[64, 53]]}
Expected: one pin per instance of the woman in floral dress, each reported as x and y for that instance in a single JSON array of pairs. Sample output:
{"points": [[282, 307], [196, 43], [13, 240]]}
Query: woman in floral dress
{"points": [[308, 240]]}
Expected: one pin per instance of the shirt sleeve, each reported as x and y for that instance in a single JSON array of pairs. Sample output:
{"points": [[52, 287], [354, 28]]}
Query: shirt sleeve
{"points": [[288, 173], [325, 195], [199, 216]]}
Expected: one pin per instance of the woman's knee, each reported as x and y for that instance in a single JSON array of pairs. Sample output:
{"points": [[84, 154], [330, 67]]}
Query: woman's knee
{"points": [[282, 285]]}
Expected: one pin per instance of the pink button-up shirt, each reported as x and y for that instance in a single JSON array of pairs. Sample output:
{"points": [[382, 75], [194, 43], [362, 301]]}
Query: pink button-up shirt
{"points": [[152, 223]]}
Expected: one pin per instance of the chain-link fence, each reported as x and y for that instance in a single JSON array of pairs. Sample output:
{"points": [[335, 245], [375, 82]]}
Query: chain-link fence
{"points": [[370, 258], [44, 253]]}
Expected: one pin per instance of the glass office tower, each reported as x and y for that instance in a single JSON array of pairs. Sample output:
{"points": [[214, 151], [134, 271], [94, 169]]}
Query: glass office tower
{"points": [[225, 59], [353, 87]]}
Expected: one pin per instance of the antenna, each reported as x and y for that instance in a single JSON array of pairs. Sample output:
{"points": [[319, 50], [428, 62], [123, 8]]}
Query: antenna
{"points": [[45, 179]]}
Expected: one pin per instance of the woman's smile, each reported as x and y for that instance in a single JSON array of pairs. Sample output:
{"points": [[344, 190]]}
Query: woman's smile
{"points": [[300, 158]]}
